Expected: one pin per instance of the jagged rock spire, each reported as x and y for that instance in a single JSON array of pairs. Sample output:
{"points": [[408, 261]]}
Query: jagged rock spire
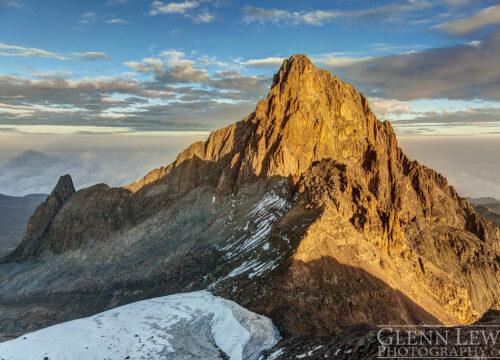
{"points": [[41, 219], [307, 116]]}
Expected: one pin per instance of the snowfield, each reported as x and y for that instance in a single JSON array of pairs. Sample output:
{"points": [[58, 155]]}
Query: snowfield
{"points": [[193, 325]]}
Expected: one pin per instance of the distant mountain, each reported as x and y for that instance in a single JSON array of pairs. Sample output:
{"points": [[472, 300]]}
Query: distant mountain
{"points": [[14, 215], [306, 212], [482, 201], [29, 159], [487, 207], [30, 172]]}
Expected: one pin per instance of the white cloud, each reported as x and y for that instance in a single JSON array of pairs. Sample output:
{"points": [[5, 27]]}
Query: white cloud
{"points": [[88, 18], [339, 61], [470, 24], [183, 8], [14, 50], [116, 21], [203, 18], [321, 17], [90, 56], [159, 7], [270, 61], [383, 107], [147, 65]]}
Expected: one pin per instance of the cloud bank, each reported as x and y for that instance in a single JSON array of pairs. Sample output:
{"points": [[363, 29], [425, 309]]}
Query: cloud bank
{"points": [[466, 71]]}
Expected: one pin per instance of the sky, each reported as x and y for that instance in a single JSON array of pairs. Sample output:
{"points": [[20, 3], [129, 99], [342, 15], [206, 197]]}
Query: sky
{"points": [[170, 72]]}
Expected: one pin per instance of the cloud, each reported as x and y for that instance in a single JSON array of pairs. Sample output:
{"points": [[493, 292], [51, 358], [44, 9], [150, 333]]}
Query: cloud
{"points": [[383, 107], [91, 56], [480, 117], [56, 90], [466, 71], [321, 17], [470, 163], [334, 61], [53, 74], [173, 67], [14, 50], [159, 7], [91, 18], [114, 2], [147, 65], [252, 13], [116, 21], [11, 3], [119, 162], [203, 18], [473, 23], [183, 8], [270, 61], [178, 93], [88, 18]]}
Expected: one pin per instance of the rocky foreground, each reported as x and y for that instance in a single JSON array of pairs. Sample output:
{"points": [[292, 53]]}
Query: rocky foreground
{"points": [[306, 211]]}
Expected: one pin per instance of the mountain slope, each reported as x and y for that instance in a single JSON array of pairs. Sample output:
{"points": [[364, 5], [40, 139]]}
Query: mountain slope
{"points": [[306, 211]]}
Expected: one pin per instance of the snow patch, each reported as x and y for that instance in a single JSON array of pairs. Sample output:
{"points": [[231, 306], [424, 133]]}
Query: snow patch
{"points": [[274, 355], [309, 353], [250, 242]]}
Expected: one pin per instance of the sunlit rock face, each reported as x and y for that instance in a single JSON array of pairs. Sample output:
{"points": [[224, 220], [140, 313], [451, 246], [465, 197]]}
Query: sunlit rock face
{"points": [[306, 211]]}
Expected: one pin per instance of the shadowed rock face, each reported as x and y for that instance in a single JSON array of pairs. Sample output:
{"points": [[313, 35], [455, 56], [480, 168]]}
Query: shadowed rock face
{"points": [[41, 220], [306, 211], [14, 215]]}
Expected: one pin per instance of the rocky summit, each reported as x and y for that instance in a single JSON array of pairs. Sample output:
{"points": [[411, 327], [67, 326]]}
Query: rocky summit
{"points": [[306, 211]]}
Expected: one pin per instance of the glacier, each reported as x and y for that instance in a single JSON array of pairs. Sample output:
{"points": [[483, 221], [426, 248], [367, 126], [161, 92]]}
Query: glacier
{"points": [[196, 325]]}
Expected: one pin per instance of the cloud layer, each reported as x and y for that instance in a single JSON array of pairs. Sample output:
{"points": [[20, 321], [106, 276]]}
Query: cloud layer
{"points": [[473, 23], [466, 71], [389, 12], [14, 50], [90, 160], [176, 93]]}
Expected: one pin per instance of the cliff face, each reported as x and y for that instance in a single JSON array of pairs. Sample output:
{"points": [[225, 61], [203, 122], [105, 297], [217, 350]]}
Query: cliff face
{"points": [[41, 220], [306, 211]]}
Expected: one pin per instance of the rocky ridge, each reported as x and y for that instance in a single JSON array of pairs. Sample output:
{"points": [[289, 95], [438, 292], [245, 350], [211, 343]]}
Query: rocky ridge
{"points": [[306, 211]]}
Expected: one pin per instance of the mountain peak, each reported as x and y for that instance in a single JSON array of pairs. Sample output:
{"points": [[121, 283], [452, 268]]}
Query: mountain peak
{"points": [[64, 188], [41, 220], [308, 115], [298, 64]]}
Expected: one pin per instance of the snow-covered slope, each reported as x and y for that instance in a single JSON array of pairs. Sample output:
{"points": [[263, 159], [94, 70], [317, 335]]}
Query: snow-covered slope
{"points": [[193, 325]]}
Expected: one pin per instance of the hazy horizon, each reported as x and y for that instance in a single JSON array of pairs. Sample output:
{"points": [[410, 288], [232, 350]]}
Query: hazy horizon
{"points": [[469, 163]]}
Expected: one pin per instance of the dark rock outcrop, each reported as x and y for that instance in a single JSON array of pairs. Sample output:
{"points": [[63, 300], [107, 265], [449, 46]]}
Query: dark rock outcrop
{"points": [[41, 220], [14, 215]]}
